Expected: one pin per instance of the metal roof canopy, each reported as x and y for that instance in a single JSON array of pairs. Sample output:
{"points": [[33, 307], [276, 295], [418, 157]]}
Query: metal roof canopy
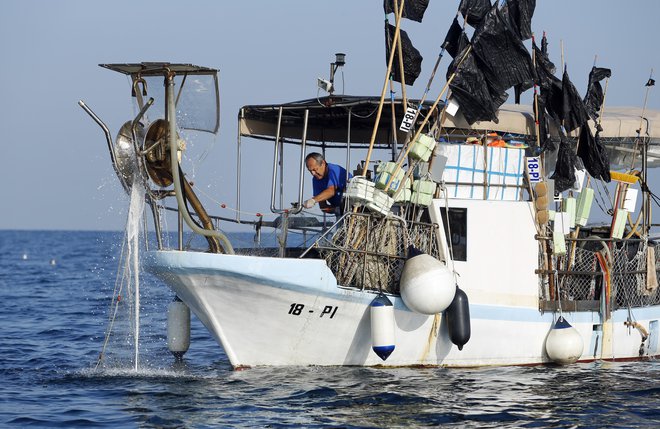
{"points": [[157, 68], [196, 109], [328, 120]]}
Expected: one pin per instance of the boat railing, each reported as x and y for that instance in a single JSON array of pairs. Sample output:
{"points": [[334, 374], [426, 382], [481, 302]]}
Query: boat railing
{"points": [[597, 274], [368, 252]]}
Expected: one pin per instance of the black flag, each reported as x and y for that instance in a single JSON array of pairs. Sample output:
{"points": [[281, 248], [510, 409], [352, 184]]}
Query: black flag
{"points": [[593, 154], [412, 59], [595, 97], [412, 9], [574, 113], [564, 174], [474, 10], [551, 88], [545, 140], [455, 40], [519, 14], [501, 55], [477, 101]]}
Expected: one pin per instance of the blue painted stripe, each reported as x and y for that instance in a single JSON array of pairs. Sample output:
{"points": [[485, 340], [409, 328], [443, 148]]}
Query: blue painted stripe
{"points": [[519, 179], [458, 172], [489, 172], [474, 168], [506, 164], [522, 314]]}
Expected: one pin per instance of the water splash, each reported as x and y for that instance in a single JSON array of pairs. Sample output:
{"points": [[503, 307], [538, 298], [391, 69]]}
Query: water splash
{"points": [[123, 331]]}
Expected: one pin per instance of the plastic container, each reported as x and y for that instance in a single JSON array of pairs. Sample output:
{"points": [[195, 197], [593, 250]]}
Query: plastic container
{"points": [[422, 148]]}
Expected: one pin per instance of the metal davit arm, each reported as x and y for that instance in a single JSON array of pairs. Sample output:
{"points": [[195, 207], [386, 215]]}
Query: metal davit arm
{"points": [[171, 113], [108, 138]]}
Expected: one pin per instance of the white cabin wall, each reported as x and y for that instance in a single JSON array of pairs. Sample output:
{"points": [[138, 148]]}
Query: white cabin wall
{"points": [[502, 252]]}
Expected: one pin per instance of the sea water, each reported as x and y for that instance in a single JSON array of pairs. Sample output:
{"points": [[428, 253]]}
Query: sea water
{"points": [[55, 293]]}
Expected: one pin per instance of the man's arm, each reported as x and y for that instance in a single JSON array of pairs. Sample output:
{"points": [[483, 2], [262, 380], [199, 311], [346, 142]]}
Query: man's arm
{"points": [[328, 193]]}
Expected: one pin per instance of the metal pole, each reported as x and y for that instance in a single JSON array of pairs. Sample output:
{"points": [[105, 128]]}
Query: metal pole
{"points": [[156, 213], [180, 229], [238, 172], [275, 162], [302, 160]]}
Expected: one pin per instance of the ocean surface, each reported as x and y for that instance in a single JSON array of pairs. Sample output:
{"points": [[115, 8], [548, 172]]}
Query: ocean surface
{"points": [[56, 289]]}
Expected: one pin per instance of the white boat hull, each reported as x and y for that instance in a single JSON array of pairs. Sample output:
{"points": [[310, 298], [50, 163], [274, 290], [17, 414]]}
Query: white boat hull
{"points": [[278, 311]]}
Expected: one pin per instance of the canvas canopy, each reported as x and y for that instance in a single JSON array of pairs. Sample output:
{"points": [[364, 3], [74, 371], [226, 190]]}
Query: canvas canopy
{"points": [[328, 120]]}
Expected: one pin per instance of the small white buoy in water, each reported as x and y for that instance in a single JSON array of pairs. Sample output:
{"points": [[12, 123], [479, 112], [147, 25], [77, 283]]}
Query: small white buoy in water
{"points": [[24, 256], [178, 327], [382, 326], [564, 344], [427, 286], [53, 262]]}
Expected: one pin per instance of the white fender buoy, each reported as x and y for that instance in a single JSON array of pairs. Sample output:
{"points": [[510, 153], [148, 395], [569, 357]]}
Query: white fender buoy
{"points": [[178, 327], [564, 344], [382, 326], [427, 286]]}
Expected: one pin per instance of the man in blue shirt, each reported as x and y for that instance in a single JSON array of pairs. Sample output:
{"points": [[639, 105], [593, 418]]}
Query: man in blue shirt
{"points": [[329, 182]]}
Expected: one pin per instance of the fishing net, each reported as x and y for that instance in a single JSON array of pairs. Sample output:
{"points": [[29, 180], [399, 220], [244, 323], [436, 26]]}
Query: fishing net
{"points": [[585, 280], [368, 252]]}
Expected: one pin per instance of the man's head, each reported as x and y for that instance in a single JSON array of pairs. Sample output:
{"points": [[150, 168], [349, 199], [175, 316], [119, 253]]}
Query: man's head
{"points": [[316, 165]]}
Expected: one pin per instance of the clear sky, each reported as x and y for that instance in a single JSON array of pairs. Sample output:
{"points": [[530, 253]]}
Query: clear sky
{"points": [[55, 167]]}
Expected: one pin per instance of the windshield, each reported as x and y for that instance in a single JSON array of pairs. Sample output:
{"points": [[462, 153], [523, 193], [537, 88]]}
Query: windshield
{"points": [[197, 101]]}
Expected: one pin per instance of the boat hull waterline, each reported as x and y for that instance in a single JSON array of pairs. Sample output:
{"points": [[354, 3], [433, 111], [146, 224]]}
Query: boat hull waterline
{"points": [[285, 312]]}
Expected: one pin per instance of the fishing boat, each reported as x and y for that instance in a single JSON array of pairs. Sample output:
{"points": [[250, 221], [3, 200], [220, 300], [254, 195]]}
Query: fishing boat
{"points": [[448, 251]]}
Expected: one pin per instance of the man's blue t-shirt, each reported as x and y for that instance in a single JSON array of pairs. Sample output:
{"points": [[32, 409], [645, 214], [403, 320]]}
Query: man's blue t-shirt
{"points": [[336, 177]]}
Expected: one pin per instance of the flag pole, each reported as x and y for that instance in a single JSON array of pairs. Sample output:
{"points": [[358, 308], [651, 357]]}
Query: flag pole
{"points": [[382, 94], [399, 49], [425, 121]]}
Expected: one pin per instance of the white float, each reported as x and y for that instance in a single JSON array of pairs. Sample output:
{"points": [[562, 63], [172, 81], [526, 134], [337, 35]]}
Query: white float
{"points": [[564, 344], [427, 286], [178, 328], [382, 326]]}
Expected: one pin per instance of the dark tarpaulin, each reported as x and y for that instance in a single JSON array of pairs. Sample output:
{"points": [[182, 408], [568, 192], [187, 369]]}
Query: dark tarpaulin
{"points": [[412, 9], [547, 144], [501, 55], [544, 45], [455, 40], [593, 154], [412, 59], [595, 97], [474, 10], [519, 13], [469, 88], [520, 88], [574, 113], [564, 174], [551, 88]]}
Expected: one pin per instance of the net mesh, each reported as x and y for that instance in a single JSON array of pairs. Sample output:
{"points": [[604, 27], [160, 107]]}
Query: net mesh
{"points": [[583, 274], [368, 252]]}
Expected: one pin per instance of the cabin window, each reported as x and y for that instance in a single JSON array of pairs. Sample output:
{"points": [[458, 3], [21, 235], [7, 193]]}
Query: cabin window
{"points": [[457, 229]]}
